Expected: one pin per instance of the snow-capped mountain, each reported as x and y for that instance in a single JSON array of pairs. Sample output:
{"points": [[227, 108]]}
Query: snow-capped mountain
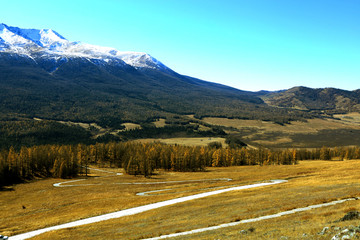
{"points": [[44, 75], [50, 44]]}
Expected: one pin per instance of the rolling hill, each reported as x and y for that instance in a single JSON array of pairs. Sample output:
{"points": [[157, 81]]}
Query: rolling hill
{"points": [[329, 100]]}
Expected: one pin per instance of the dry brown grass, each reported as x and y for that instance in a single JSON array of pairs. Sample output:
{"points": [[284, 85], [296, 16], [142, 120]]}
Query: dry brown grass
{"points": [[311, 126], [353, 118], [310, 182], [160, 123], [130, 126]]}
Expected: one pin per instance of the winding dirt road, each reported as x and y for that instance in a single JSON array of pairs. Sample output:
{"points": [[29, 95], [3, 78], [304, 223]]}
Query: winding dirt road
{"points": [[136, 210], [144, 208]]}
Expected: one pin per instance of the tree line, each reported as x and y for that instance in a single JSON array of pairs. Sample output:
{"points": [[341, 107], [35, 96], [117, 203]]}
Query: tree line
{"points": [[65, 161]]}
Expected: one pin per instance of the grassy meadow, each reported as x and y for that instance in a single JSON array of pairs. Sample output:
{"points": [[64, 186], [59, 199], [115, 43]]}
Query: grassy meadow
{"points": [[39, 204]]}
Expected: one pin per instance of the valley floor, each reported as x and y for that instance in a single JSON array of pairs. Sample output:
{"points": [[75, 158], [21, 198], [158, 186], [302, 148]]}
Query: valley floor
{"points": [[344, 130], [39, 204]]}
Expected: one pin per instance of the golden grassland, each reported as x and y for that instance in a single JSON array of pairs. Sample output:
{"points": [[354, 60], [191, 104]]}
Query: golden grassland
{"points": [[130, 126], [160, 123], [349, 117], [194, 141], [310, 182]]}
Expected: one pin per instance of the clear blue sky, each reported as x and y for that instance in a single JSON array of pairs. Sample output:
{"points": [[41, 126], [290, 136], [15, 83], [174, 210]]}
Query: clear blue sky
{"points": [[247, 44]]}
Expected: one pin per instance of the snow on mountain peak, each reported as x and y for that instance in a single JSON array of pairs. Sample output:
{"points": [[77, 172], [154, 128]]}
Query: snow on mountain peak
{"points": [[52, 44], [43, 38], [10, 41], [140, 60], [49, 37]]}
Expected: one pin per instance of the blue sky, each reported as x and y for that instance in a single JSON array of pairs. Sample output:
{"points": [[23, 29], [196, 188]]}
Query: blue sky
{"points": [[248, 44]]}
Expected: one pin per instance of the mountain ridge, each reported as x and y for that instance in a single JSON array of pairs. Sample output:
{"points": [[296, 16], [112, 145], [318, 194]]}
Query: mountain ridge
{"points": [[63, 80], [47, 41]]}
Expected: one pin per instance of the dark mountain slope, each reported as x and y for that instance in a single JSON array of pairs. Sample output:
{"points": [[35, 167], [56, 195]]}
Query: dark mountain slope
{"points": [[109, 93]]}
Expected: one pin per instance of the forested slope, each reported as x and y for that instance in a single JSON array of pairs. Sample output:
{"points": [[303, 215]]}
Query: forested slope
{"points": [[83, 90]]}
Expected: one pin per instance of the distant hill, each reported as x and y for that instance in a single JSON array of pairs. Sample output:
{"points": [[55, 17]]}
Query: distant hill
{"points": [[329, 100]]}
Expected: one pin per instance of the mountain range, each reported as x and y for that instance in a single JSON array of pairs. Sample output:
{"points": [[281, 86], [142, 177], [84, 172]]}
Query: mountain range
{"points": [[43, 75]]}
